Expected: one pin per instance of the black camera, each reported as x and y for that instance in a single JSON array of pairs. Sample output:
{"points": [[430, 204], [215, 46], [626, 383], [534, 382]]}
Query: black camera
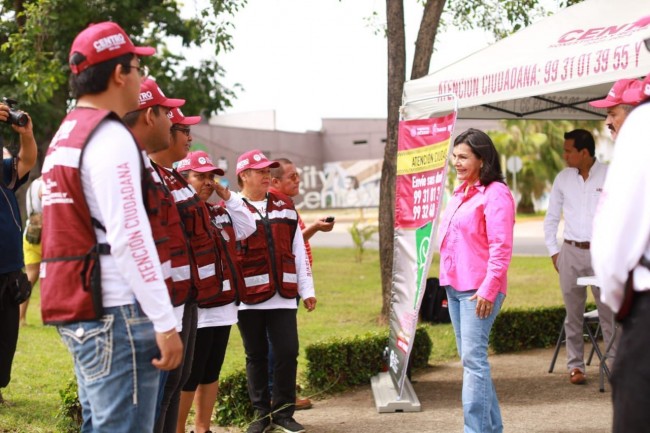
{"points": [[16, 117]]}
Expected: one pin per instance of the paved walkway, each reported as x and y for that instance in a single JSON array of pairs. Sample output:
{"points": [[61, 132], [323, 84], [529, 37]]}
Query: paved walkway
{"points": [[532, 400], [528, 234]]}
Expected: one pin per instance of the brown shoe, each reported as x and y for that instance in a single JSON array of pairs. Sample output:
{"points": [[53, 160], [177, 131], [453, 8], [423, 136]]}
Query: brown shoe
{"points": [[577, 377], [302, 403]]}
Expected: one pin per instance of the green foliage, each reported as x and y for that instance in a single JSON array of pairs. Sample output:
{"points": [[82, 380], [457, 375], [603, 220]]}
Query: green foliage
{"points": [[35, 39], [520, 329], [361, 235], [233, 404], [68, 417], [338, 363], [499, 17], [540, 145]]}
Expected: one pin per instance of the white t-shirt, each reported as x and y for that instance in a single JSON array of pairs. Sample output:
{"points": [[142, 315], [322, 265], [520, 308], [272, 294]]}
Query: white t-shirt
{"points": [[111, 179]]}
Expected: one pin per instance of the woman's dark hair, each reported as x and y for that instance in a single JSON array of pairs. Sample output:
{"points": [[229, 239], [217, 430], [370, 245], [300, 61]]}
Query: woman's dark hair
{"points": [[484, 149], [95, 79]]}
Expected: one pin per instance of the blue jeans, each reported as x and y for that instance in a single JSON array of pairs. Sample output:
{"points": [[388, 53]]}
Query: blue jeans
{"points": [[112, 359], [480, 404]]}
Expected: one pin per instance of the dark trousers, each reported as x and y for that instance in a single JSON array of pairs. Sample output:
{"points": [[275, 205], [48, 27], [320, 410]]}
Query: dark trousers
{"points": [[175, 380], [9, 313], [631, 373], [279, 327]]}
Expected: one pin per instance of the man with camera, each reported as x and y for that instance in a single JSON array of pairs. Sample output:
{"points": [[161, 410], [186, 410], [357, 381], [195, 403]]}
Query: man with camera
{"points": [[14, 286]]}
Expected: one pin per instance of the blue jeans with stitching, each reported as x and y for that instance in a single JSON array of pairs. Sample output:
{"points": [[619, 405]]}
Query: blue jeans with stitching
{"points": [[480, 404], [117, 383]]}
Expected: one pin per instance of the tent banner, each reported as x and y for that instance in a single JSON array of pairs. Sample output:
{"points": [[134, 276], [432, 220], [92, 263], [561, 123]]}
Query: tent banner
{"points": [[422, 154]]}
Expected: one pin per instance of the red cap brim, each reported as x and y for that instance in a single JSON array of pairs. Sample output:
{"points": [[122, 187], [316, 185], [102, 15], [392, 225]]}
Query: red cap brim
{"points": [[190, 120], [144, 51]]}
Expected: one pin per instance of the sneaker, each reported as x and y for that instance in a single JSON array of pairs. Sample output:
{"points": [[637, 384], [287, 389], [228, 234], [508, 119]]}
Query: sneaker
{"points": [[286, 425], [259, 425]]}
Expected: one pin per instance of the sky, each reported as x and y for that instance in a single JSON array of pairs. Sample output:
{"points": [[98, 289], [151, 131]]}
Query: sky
{"points": [[315, 59]]}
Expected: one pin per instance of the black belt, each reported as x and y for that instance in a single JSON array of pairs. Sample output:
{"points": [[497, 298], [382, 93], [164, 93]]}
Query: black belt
{"points": [[581, 245]]}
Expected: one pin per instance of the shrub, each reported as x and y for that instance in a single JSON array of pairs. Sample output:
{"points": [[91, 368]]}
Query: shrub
{"points": [[68, 417], [361, 235], [233, 405], [519, 329], [337, 364]]}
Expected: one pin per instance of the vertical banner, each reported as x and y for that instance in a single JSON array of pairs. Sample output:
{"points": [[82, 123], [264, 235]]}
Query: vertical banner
{"points": [[422, 150]]}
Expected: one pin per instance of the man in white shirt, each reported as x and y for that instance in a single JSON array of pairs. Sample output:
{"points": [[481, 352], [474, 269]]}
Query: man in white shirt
{"points": [[574, 195], [118, 323], [621, 248]]}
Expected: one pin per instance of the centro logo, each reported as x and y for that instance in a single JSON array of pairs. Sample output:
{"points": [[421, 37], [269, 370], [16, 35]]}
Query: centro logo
{"points": [[112, 42], [145, 96], [243, 163]]}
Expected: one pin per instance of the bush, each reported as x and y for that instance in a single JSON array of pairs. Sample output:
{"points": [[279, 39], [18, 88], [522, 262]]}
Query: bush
{"points": [[233, 405], [68, 417], [520, 329], [337, 364]]}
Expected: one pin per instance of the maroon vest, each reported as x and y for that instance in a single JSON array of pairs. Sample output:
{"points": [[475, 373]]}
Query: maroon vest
{"points": [[207, 275], [181, 273], [267, 258], [70, 271], [224, 234]]}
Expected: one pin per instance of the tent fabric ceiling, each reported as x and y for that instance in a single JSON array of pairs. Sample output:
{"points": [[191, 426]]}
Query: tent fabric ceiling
{"points": [[549, 70]]}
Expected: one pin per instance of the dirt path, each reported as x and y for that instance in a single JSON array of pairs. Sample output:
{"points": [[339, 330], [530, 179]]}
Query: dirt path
{"points": [[532, 400]]}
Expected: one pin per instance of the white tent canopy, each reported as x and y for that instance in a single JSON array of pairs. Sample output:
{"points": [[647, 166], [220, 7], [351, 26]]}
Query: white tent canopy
{"points": [[549, 70]]}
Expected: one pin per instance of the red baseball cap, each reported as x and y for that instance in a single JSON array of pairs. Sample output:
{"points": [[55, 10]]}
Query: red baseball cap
{"points": [[100, 42], [151, 94], [254, 159], [198, 161], [178, 118], [615, 95], [638, 92]]}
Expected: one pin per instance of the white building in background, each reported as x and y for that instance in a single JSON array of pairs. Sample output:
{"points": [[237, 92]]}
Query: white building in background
{"points": [[340, 165]]}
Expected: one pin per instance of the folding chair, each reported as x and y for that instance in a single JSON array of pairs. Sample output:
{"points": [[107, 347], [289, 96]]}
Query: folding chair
{"points": [[590, 319]]}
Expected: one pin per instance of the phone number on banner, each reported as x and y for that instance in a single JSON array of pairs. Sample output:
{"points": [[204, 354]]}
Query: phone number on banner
{"points": [[596, 62]]}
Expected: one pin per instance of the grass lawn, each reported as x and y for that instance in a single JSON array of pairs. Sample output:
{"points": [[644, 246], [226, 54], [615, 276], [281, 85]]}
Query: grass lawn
{"points": [[349, 302]]}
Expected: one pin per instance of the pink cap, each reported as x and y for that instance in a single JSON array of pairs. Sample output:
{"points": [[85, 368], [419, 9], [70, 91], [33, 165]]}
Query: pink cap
{"points": [[101, 42], [198, 161], [638, 92], [615, 95], [177, 117], [151, 94], [254, 159]]}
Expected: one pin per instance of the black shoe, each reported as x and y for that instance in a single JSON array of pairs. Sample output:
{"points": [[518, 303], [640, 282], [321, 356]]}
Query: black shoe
{"points": [[286, 425], [260, 425]]}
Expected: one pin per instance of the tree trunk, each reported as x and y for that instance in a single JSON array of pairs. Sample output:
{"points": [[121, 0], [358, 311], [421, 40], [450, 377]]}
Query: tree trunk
{"points": [[396, 75], [426, 37]]}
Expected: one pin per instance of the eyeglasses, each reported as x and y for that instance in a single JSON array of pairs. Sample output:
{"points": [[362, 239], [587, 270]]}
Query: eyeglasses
{"points": [[185, 131], [143, 71]]}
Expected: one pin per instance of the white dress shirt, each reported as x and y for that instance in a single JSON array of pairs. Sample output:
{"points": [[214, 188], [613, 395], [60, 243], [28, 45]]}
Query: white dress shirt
{"points": [[622, 223], [576, 199]]}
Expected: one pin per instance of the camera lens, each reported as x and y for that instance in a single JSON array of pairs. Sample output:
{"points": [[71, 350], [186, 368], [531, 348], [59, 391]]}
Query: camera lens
{"points": [[17, 118]]}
